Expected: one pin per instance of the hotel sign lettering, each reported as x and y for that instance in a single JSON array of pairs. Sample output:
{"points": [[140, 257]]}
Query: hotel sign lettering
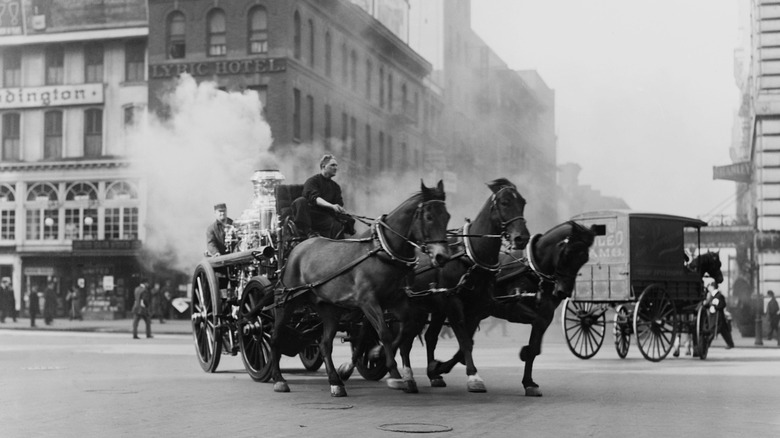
{"points": [[56, 95], [218, 68]]}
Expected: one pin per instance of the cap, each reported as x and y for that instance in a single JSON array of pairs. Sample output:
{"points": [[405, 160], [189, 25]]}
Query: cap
{"points": [[220, 206]]}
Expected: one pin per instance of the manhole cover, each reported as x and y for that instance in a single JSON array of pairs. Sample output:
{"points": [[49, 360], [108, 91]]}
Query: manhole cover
{"points": [[414, 428], [111, 391], [324, 406]]}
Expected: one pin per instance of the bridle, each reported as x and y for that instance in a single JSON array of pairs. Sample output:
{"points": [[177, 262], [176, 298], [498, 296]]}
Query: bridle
{"points": [[494, 206], [380, 225]]}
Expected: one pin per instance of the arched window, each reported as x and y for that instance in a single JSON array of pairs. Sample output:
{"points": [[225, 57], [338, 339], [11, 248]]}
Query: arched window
{"points": [[353, 70], [93, 132], [328, 54], [344, 64], [42, 212], [55, 65], [7, 213], [311, 43], [81, 216], [297, 35], [369, 72], [93, 62], [217, 39], [381, 87], [121, 213], [12, 67], [177, 33], [52, 135], [11, 136], [403, 98], [258, 30]]}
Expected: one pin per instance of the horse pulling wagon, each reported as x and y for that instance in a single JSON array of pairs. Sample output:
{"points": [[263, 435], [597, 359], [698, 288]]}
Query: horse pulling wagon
{"points": [[233, 296], [639, 268]]}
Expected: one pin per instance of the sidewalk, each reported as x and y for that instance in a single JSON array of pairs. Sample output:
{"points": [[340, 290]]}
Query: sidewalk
{"points": [[170, 327]]}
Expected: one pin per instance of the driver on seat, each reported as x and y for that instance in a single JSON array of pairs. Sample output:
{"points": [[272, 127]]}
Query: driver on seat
{"points": [[320, 211]]}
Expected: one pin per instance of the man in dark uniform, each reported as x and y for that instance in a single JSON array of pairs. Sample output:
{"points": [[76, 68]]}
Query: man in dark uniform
{"points": [[142, 308], [320, 211], [717, 305], [215, 233]]}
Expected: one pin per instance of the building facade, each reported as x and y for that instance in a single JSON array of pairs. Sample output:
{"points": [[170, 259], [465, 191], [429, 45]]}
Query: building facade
{"points": [[71, 207], [327, 72]]}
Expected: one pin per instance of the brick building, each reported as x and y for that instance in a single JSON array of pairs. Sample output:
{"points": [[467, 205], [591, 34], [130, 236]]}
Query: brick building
{"points": [[327, 73], [71, 208]]}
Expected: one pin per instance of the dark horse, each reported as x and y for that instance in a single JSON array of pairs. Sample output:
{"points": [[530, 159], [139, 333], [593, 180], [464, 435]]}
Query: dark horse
{"points": [[462, 284], [336, 276], [529, 290], [707, 263]]}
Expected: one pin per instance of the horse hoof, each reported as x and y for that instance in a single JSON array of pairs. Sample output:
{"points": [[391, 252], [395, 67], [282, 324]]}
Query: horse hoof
{"points": [[396, 383], [476, 384], [532, 391], [524, 353], [411, 387], [438, 382], [281, 387], [338, 391], [345, 371]]}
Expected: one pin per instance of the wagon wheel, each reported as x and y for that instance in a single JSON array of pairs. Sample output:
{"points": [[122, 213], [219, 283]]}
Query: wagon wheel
{"points": [[655, 323], [371, 366], [254, 333], [310, 357], [584, 325], [622, 330], [204, 308], [704, 332]]}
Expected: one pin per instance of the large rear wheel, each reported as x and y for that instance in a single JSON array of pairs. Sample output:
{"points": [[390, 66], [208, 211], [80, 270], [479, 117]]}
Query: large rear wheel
{"points": [[622, 330], [205, 308], [655, 323], [704, 332], [584, 325], [310, 357], [254, 331]]}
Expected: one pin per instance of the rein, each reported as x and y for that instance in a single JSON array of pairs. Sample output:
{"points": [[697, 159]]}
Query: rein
{"points": [[470, 251]]}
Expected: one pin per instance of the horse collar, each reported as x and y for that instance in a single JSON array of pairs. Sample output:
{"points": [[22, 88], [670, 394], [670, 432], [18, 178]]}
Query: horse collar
{"points": [[470, 252], [529, 250], [380, 223]]}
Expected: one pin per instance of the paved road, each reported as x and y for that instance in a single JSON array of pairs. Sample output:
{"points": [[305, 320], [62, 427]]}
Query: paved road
{"points": [[64, 383]]}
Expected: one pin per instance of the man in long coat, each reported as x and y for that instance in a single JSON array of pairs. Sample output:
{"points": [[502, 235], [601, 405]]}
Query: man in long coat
{"points": [[215, 233]]}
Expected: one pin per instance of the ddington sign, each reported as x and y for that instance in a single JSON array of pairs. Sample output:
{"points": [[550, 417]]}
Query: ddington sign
{"points": [[219, 68], [57, 95]]}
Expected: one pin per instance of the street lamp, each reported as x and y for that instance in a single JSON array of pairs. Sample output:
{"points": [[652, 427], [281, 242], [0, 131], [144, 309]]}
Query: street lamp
{"points": [[48, 222], [88, 221]]}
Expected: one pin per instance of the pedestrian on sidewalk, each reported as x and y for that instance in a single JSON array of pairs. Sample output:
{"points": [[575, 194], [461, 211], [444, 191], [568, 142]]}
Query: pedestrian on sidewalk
{"points": [[157, 303], [142, 308], [717, 306], [49, 302], [7, 300], [74, 303], [773, 315], [34, 308]]}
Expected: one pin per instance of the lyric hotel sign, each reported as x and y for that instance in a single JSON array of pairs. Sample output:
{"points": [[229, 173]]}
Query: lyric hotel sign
{"points": [[219, 68], [57, 95]]}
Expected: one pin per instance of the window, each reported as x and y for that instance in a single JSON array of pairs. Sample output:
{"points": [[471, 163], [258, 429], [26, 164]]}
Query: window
{"points": [[390, 91], [369, 72], [344, 64], [42, 214], [381, 151], [121, 213], [297, 35], [81, 218], [328, 55], [52, 135], [93, 132], [113, 222], [353, 135], [353, 71], [328, 133], [389, 151], [381, 87], [403, 98], [134, 61], [296, 114], [177, 32], [368, 146], [7, 213], [11, 135], [216, 33], [310, 103], [12, 68], [344, 133], [404, 156], [258, 30], [311, 43], [55, 65], [93, 62], [416, 108]]}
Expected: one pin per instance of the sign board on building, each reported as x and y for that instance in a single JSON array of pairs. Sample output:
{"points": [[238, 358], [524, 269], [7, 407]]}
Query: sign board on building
{"points": [[108, 282], [55, 95], [98, 245], [11, 17], [44, 271], [48, 16], [218, 68], [740, 172]]}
